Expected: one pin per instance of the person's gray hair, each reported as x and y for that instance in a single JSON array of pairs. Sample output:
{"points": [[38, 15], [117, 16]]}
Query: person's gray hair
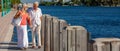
{"points": [[36, 3]]}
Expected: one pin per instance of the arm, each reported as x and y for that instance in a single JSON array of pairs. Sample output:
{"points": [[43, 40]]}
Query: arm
{"points": [[41, 15], [41, 18], [17, 15], [29, 20]]}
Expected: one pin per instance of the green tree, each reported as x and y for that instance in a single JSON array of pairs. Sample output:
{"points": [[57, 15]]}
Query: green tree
{"points": [[0, 6], [15, 1]]}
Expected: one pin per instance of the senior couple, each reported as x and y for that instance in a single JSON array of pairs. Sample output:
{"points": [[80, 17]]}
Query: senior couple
{"points": [[33, 19]]}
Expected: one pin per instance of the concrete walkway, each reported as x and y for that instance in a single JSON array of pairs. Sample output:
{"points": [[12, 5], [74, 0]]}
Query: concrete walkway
{"points": [[6, 32], [13, 47], [6, 29]]}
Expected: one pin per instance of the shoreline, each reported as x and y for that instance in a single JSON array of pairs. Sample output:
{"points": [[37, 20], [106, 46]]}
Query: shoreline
{"points": [[79, 6]]}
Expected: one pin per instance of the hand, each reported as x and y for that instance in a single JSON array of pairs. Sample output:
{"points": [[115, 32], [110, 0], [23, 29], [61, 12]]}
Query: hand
{"points": [[12, 24], [31, 26]]}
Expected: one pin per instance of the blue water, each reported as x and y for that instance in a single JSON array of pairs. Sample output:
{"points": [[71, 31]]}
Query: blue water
{"points": [[99, 21]]}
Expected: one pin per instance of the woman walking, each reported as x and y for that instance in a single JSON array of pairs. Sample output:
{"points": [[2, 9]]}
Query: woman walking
{"points": [[22, 28]]}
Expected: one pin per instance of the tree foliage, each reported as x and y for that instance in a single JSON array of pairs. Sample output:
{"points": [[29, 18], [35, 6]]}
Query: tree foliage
{"points": [[15, 1]]}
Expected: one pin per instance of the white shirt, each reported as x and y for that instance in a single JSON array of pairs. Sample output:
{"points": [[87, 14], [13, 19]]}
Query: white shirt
{"points": [[35, 16]]}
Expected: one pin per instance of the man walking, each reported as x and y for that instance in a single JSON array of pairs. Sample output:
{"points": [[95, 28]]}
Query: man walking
{"points": [[36, 16]]}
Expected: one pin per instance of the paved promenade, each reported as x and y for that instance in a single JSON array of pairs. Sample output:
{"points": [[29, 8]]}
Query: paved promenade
{"points": [[6, 32], [6, 29]]}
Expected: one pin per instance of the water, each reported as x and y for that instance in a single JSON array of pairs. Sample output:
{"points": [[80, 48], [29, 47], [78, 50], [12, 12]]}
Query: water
{"points": [[99, 21]]}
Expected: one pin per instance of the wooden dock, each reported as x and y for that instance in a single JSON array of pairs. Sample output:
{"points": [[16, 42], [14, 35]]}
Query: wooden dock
{"points": [[6, 29], [57, 35]]}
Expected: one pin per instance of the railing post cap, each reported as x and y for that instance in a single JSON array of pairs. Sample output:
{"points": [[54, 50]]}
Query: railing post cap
{"points": [[61, 20], [76, 27], [54, 17], [46, 15], [107, 39], [99, 44]]}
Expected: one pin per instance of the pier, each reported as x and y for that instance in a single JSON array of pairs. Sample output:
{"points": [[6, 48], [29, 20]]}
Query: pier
{"points": [[57, 35]]}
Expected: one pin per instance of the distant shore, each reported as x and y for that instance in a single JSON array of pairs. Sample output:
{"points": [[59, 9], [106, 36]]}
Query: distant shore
{"points": [[82, 3]]}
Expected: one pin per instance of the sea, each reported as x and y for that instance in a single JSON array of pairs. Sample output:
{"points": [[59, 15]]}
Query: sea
{"points": [[101, 22]]}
